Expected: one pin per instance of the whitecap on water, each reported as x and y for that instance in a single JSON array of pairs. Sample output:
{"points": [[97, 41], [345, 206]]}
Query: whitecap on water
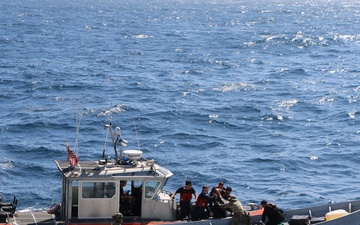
{"points": [[235, 87], [287, 103], [352, 114], [6, 165], [142, 36], [112, 110], [325, 100]]}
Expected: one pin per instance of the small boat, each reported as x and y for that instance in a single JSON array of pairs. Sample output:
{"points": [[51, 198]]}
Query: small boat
{"points": [[133, 188], [343, 213]]}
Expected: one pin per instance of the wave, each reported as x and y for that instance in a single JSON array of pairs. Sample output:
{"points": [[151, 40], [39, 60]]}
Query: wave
{"points": [[236, 87], [113, 110], [142, 36]]}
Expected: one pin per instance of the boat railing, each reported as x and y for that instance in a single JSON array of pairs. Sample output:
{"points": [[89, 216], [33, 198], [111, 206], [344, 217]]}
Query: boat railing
{"points": [[8, 207], [166, 192], [2, 198]]}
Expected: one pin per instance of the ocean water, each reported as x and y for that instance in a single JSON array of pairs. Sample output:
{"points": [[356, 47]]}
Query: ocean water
{"points": [[263, 95]]}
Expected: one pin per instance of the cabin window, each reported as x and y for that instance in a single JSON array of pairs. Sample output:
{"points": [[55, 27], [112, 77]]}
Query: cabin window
{"points": [[98, 189], [139, 174], [151, 188]]}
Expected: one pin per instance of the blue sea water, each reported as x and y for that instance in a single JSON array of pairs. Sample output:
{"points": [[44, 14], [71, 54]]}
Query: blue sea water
{"points": [[263, 95]]}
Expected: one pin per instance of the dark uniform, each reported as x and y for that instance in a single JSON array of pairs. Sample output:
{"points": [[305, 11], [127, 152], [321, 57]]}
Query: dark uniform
{"points": [[272, 213]]}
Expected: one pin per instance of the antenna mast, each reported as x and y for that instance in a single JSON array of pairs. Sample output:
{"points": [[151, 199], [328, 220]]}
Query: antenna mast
{"points": [[137, 137], [78, 118]]}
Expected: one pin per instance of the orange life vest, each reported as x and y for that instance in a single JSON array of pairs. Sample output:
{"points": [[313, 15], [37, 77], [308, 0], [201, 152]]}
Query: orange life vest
{"points": [[202, 202], [185, 196]]}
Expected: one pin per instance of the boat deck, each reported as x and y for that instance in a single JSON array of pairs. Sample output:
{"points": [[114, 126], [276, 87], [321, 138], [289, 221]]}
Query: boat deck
{"points": [[34, 218], [43, 218]]}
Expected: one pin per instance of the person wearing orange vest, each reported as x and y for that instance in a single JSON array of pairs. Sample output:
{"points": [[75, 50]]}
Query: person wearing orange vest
{"points": [[186, 192], [202, 209]]}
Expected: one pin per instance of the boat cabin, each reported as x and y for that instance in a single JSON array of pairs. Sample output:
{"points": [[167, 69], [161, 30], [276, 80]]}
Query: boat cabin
{"points": [[99, 189]]}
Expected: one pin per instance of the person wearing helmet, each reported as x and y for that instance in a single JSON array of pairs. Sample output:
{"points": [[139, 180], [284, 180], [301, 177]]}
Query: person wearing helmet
{"points": [[240, 216]]}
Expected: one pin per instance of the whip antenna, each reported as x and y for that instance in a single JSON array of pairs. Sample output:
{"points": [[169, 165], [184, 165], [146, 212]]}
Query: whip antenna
{"points": [[78, 119], [137, 137], [105, 144]]}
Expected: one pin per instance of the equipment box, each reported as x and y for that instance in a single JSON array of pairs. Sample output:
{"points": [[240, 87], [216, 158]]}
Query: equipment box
{"points": [[299, 220], [315, 220]]}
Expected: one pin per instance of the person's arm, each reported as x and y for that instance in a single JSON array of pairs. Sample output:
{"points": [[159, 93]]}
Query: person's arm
{"points": [[263, 216], [222, 206], [194, 193], [210, 212], [219, 191], [173, 195]]}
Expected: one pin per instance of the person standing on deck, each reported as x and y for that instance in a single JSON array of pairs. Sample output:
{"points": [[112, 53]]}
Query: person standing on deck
{"points": [[186, 192]]}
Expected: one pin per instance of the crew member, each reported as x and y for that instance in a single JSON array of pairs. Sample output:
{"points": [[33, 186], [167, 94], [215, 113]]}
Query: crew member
{"points": [[239, 215], [186, 192]]}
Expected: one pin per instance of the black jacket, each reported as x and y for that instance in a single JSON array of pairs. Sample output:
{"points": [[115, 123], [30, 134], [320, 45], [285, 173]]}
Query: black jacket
{"points": [[272, 213]]}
